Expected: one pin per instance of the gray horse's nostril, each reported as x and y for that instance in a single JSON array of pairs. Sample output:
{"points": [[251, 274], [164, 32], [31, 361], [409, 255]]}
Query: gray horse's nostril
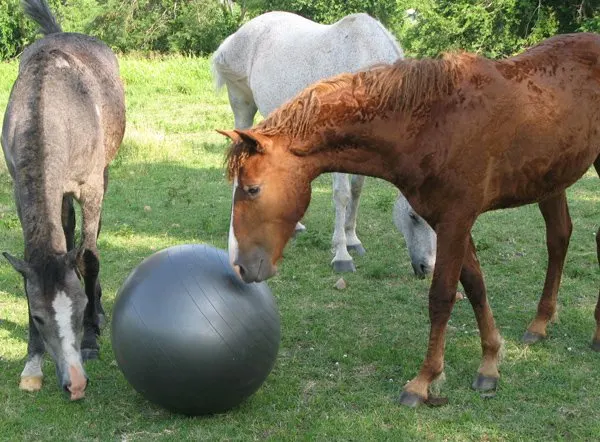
{"points": [[423, 269]]}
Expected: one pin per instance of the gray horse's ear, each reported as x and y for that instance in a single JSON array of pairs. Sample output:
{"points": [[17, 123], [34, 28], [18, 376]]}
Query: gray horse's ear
{"points": [[19, 265]]}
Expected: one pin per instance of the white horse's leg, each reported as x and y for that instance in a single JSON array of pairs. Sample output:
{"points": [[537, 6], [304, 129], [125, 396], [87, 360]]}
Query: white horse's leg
{"points": [[243, 106], [342, 261], [352, 241]]}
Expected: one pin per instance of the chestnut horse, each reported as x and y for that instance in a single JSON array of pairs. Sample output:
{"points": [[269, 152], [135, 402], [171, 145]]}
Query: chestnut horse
{"points": [[459, 136]]}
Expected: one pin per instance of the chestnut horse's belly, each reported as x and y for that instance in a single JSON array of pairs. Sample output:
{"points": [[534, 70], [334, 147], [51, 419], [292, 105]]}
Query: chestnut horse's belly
{"points": [[539, 178]]}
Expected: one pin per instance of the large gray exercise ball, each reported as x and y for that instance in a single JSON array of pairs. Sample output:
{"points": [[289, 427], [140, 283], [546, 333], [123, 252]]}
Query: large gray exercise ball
{"points": [[189, 335]]}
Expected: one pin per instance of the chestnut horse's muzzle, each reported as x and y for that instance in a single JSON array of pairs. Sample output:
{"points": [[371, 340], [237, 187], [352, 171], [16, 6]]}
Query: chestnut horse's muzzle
{"points": [[255, 266]]}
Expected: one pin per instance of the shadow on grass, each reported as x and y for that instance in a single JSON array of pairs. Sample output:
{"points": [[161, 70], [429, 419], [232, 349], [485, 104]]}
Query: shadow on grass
{"points": [[15, 330]]}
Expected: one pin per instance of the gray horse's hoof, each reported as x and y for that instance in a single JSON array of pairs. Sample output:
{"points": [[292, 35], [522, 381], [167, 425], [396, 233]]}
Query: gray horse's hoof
{"points": [[409, 399], [532, 338], [343, 266], [89, 354], [358, 248], [596, 345], [484, 383]]}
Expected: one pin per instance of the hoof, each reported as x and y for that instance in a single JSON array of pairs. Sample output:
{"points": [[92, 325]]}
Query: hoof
{"points": [[358, 248], [596, 345], [88, 354], [485, 383], [300, 228], [343, 266], [532, 338], [411, 400], [31, 383]]}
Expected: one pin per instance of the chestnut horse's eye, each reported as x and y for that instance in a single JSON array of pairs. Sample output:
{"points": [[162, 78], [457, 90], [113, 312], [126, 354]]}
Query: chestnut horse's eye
{"points": [[253, 191]]}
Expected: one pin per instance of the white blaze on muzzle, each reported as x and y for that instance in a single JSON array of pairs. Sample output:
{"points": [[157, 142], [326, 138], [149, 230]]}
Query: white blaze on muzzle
{"points": [[233, 243], [63, 312]]}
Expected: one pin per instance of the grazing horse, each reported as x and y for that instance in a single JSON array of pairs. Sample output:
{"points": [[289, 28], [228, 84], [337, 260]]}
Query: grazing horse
{"points": [[459, 136], [276, 55], [64, 123]]}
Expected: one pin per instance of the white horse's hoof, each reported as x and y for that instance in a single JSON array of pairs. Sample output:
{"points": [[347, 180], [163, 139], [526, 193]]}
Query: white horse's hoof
{"points": [[358, 248], [343, 266], [300, 228]]}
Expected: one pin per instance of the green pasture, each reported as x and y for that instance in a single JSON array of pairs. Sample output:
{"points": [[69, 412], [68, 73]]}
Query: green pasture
{"points": [[345, 354]]}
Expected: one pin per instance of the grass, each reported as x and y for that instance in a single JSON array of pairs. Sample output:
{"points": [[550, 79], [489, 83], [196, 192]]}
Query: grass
{"points": [[345, 354]]}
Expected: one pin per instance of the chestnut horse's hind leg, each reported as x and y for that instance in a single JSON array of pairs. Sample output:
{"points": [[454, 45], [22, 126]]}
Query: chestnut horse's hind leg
{"points": [[453, 240], [558, 233]]}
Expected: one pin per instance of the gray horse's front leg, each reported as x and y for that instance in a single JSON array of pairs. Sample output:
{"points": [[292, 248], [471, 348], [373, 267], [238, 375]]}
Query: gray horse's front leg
{"points": [[32, 376], [91, 207]]}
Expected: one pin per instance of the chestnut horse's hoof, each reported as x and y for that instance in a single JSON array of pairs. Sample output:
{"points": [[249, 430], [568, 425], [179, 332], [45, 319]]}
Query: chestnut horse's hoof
{"points": [[31, 383], [358, 248], [596, 345], [411, 400], [343, 266], [485, 383], [532, 337]]}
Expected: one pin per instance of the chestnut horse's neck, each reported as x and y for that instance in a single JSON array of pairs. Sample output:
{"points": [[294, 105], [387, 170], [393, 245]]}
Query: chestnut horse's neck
{"points": [[347, 123]]}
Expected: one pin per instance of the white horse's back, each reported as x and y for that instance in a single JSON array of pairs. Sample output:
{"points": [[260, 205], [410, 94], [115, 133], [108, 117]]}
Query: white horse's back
{"points": [[278, 54]]}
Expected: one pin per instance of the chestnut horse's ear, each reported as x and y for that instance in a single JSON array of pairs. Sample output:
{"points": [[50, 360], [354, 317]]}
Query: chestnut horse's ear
{"points": [[231, 134], [258, 141]]}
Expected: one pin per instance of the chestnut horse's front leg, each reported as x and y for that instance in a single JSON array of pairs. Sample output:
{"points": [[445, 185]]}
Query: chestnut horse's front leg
{"points": [[453, 239], [472, 280]]}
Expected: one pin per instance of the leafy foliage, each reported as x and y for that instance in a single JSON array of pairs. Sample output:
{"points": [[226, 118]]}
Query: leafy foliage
{"points": [[494, 28], [424, 27]]}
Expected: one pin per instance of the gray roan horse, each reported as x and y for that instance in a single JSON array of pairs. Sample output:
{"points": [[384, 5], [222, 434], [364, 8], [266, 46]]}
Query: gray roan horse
{"points": [[276, 55], [64, 123]]}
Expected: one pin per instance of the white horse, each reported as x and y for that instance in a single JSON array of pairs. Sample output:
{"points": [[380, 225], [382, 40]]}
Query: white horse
{"points": [[276, 55]]}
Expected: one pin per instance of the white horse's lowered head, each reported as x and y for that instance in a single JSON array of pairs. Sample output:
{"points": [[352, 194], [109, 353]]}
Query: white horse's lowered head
{"points": [[276, 55]]}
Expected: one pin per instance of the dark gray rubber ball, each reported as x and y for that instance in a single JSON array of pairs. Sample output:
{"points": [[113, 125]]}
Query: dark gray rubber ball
{"points": [[189, 335]]}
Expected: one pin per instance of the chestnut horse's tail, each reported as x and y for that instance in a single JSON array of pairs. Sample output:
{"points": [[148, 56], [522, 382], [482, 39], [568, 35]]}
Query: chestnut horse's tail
{"points": [[39, 11]]}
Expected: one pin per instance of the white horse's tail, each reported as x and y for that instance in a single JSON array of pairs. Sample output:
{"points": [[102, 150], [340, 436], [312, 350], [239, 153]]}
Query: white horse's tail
{"points": [[216, 65], [222, 71]]}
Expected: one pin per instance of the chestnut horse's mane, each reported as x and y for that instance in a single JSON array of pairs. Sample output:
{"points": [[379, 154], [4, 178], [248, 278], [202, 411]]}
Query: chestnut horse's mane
{"points": [[401, 87]]}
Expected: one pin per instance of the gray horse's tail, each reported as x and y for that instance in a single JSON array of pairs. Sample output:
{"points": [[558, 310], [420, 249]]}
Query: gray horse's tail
{"points": [[39, 11]]}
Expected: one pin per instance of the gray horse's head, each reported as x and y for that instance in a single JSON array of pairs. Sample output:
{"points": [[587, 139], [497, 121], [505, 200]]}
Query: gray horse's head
{"points": [[420, 238], [56, 304]]}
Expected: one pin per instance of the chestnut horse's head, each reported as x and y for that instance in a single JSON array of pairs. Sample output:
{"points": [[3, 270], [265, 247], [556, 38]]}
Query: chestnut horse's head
{"points": [[271, 191]]}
